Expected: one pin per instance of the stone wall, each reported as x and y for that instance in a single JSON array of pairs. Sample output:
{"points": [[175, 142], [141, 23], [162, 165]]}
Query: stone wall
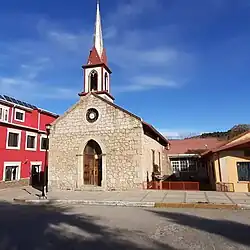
{"points": [[150, 144], [10, 184], [118, 134]]}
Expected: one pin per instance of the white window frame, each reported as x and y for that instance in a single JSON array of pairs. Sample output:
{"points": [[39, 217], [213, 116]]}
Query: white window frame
{"points": [[4, 110], [17, 131], [10, 164], [174, 162], [26, 141], [19, 111], [42, 136], [40, 163]]}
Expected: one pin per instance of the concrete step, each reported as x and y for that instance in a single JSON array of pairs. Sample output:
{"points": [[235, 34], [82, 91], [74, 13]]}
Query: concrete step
{"points": [[89, 188]]}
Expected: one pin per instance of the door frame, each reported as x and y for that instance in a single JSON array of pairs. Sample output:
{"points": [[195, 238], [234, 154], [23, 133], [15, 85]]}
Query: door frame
{"points": [[32, 163], [94, 168], [80, 160]]}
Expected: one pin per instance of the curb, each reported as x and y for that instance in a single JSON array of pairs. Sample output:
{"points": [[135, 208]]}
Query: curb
{"points": [[136, 204], [198, 205], [88, 202]]}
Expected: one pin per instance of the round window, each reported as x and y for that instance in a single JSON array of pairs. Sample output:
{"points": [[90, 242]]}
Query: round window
{"points": [[92, 115]]}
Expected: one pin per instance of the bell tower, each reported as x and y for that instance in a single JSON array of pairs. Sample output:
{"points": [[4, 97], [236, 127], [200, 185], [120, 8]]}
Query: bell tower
{"points": [[96, 71]]}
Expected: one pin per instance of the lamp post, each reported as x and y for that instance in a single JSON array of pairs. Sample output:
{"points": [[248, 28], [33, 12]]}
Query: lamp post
{"points": [[48, 127], [45, 179]]}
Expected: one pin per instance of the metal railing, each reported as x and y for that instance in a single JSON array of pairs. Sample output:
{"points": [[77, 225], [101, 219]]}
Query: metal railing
{"points": [[172, 185], [224, 187]]}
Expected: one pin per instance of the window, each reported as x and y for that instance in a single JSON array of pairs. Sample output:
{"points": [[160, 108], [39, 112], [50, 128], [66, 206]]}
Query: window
{"points": [[44, 143], [11, 171], [159, 156], [106, 81], [13, 139], [19, 115], [184, 165], [30, 141], [175, 166], [192, 165], [243, 169], [153, 157], [93, 77], [4, 113]]}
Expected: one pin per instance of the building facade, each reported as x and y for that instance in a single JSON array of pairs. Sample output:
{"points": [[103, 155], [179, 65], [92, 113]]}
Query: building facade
{"points": [[229, 165], [98, 145], [185, 157], [22, 140]]}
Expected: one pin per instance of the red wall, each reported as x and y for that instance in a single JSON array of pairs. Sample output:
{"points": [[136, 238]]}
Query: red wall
{"points": [[22, 155], [45, 119]]}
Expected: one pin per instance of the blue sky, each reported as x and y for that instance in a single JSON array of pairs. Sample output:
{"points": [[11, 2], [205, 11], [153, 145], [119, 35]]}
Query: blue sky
{"points": [[182, 66]]}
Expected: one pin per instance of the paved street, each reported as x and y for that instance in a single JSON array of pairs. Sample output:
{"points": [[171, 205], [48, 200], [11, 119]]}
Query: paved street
{"points": [[79, 227]]}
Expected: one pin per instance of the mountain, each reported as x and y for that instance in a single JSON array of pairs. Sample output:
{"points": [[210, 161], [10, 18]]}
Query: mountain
{"points": [[226, 135]]}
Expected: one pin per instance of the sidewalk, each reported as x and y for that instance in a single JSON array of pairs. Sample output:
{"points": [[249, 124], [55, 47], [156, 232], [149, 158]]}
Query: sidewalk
{"points": [[142, 198]]}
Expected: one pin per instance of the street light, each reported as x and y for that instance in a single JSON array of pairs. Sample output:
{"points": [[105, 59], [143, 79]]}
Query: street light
{"points": [[48, 128], [45, 179]]}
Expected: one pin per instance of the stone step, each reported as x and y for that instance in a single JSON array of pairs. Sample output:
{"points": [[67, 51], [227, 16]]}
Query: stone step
{"points": [[89, 188]]}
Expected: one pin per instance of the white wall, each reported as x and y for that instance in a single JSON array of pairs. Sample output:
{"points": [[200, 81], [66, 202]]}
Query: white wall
{"points": [[86, 82]]}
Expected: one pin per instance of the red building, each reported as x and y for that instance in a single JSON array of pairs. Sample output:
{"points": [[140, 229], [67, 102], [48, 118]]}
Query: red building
{"points": [[23, 140]]}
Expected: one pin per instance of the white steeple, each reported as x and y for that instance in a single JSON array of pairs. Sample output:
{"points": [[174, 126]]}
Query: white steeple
{"points": [[96, 71], [98, 40]]}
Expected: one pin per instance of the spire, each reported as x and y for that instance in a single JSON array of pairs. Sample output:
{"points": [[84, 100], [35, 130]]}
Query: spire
{"points": [[98, 40]]}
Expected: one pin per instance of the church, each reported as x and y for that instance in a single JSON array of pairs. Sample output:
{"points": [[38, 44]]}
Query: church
{"points": [[98, 145]]}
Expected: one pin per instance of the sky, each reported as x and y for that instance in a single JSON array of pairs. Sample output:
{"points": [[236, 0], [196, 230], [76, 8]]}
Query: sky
{"points": [[182, 66]]}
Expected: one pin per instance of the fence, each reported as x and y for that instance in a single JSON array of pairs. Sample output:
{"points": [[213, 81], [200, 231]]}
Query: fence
{"points": [[224, 187], [172, 185]]}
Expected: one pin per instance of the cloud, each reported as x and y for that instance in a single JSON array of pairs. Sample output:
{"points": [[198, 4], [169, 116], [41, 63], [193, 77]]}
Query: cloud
{"points": [[181, 134], [33, 90], [126, 12], [49, 62], [33, 69], [69, 40], [144, 83]]}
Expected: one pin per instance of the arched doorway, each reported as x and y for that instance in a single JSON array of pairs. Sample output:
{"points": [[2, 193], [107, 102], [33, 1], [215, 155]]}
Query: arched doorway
{"points": [[92, 164]]}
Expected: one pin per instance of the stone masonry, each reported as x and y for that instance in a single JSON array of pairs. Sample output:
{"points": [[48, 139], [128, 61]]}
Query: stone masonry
{"points": [[125, 148]]}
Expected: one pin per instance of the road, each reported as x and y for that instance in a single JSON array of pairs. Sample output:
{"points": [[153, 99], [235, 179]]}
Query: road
{"points": [[49, 227]]}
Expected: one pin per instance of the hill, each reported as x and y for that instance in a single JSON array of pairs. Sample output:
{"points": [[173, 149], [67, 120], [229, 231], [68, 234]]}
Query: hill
{"points": [[226, 135]]}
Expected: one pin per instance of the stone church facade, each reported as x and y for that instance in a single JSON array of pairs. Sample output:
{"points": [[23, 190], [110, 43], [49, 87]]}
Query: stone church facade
{"points": [[98, 145]]}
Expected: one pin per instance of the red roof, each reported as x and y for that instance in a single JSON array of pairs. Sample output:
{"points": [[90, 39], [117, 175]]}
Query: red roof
{"points": [[94, 58], [183, 146]]}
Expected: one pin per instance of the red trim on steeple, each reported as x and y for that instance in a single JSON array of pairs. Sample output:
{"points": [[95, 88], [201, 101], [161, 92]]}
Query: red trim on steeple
{"points": [[104, 57], [86, 66], [94, 57], [97, 92]]}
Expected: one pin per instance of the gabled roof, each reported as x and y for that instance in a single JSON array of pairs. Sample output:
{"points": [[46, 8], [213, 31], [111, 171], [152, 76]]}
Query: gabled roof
{"points": [[232, 143], [148, 128], [238, 144], [185, 146]]}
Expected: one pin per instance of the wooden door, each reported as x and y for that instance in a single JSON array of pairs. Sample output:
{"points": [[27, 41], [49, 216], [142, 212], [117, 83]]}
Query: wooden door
{"points": [[90, 170]]}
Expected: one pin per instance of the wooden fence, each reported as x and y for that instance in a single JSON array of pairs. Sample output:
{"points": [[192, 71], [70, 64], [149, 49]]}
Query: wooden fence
{"points": [[172, 185]]}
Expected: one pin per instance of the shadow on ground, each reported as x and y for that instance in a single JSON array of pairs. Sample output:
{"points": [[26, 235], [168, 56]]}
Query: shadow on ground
{"points": [[53, 227], [231, 230]]}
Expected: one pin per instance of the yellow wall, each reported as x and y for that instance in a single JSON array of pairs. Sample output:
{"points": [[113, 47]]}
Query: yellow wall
{"points": [[227, 161]]}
